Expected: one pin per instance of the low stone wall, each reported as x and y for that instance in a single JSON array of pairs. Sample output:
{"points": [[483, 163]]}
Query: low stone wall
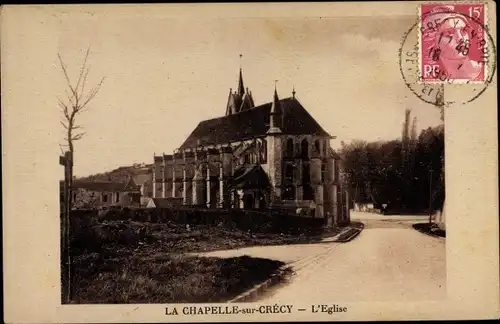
{"points": [[269, 221]]}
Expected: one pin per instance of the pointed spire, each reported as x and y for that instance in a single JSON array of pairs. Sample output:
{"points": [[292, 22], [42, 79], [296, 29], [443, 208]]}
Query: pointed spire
{"points": [[276, 116], [276, 106], [293, 92], [241, 88], [230, 103]]}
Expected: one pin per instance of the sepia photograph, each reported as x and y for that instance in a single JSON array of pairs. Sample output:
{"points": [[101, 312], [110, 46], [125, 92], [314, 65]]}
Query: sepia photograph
{"points": [[244, 164], [269, 186]]}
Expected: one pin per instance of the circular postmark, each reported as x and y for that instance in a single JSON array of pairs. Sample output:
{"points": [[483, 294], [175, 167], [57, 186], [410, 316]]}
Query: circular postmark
{"points": [[447, 46]]}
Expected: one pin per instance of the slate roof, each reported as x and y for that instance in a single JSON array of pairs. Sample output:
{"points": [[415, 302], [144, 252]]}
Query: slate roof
{"points": [[332, 153], [252, 123], [250, 177]]}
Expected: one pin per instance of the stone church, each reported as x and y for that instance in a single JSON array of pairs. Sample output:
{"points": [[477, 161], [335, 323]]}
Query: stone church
{"points": [[274, 155]]}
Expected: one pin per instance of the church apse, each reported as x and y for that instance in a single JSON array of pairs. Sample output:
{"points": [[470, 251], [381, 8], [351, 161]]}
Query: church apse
{"points": [[274, 155]]}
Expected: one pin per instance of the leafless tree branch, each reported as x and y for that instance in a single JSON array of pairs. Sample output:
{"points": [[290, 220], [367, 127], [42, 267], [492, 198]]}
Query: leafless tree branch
{"points": [[82, 69], [90, 96], [77, 98], [78, 136]]}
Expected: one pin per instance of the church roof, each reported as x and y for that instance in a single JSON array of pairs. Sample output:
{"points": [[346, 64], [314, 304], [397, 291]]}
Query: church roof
{"points": [[252, 123], [251, 177]]}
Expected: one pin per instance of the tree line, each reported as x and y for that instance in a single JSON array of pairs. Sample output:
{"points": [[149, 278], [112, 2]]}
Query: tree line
{"points": [[403, 175]]}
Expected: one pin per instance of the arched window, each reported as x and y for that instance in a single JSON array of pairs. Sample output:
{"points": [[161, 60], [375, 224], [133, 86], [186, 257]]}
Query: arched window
{"points": [[306, 174], [264, 151], [304, 147], [289, 173], [308, 193], [289, 148], [323, 172], [317, 146]]}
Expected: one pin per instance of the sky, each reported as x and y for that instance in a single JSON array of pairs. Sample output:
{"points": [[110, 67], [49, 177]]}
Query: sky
{"points": [[164, 75]]}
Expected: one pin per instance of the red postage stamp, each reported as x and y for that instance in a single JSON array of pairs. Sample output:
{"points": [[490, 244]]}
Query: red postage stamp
{"points": [[453, 43]]}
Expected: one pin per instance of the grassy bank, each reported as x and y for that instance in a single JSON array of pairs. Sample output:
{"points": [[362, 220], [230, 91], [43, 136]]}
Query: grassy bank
{"points": [[136, 262], [121, 277]]}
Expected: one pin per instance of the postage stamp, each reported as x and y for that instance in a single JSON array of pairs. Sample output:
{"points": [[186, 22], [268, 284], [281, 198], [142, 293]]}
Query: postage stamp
{"points": [[448, 44], [453, 43]]}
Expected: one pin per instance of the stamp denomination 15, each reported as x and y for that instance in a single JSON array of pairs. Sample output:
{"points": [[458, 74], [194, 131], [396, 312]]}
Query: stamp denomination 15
{"points": [[453, 43]]}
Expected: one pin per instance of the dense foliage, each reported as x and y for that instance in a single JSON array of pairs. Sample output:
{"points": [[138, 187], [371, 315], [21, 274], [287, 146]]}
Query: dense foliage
{"points": [[405, 174]]}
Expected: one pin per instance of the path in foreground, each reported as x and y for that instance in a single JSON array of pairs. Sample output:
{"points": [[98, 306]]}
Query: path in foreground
{"points": [[388, 261]]}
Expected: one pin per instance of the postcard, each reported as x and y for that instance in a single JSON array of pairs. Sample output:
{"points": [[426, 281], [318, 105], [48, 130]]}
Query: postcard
{"points": [[250, 162]]}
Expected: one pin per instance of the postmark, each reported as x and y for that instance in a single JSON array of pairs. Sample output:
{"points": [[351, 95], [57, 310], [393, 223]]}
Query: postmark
{"points": [[449, 44]]}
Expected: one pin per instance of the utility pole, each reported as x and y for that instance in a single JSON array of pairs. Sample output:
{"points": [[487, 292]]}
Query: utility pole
{"points": [[67, 162], [430, 196]]}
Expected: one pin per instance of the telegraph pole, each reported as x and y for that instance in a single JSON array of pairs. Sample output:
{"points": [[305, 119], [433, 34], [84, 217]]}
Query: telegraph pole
{"points": [[67, 162], [430, 196]]}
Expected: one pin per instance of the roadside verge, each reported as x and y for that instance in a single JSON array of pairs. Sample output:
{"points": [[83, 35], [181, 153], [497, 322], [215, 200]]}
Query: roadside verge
{"points": [[282, 273], [430, 229]]}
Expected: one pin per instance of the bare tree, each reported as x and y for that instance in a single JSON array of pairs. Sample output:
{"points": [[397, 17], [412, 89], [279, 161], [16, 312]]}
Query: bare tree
{"points": [[76, 102], [78, 97]]}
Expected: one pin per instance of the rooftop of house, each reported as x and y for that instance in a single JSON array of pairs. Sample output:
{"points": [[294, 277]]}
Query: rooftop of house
{"points": [[166, 202], [104, 186]]}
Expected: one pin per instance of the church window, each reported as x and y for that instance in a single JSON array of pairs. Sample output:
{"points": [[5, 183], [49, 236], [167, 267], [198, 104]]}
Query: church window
{"points": [[247, 158], [323, 172], [317, 146], [289, 148], [289, 173], [308, 193], [306, 174], [117, 197], [304, 149], [264, 152], [104, 197]]}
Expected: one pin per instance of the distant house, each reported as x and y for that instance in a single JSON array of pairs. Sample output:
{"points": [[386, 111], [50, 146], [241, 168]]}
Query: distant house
{"points": [[95, 194], [140, 173], [147, 188], [143, 177]]}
